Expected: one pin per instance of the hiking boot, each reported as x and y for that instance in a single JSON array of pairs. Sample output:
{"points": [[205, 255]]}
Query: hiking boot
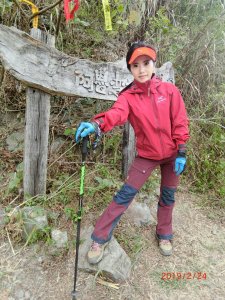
{"points": [[165, 247], [96, 252]]}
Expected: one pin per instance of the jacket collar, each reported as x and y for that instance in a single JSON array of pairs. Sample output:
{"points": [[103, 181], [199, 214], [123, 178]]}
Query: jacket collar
{"points": [[146, 87]]}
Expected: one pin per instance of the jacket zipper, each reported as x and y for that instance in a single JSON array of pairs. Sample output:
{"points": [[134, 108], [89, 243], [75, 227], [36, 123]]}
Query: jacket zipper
{"points": [[157, 122]]}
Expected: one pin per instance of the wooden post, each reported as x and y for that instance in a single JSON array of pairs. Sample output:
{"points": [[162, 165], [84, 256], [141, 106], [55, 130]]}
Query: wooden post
{"points": [[129, 149], [36, 132]]}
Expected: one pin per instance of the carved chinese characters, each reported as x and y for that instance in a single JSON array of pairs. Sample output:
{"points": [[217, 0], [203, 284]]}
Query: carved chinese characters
{"points": [[103, 81]]}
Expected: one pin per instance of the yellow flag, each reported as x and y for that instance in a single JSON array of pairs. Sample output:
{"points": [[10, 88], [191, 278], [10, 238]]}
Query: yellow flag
{"points": [[106, 8], [34, 9]]}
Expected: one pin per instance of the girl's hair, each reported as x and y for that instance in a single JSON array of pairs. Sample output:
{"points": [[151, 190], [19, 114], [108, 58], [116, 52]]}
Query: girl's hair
{"points": [[134, 46]]}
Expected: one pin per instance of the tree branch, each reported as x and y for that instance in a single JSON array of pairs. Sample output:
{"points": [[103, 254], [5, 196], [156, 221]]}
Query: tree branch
{"points": [[20, 8], [45, 9], [58, 23]]}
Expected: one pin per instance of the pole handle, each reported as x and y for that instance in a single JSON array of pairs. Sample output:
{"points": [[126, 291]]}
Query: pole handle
{"points": [[84, 148]]}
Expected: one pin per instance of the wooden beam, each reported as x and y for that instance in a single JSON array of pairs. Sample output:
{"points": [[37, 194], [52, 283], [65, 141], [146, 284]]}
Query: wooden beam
{"points": [[39, 66]]}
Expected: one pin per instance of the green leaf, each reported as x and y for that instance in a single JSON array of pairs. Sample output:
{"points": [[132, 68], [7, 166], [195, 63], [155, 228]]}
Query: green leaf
{"points": [[103, 183], [69, 131], [120, 8], [84, 23]]}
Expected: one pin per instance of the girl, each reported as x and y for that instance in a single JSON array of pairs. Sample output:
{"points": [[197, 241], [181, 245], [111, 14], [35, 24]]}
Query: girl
{"points": [[157, 113]]}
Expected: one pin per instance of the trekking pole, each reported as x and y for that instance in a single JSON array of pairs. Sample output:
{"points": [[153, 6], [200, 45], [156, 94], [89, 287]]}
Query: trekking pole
{"points": [[84, 150]]}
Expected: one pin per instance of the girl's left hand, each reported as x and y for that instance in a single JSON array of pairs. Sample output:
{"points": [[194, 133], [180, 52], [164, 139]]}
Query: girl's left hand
{"points": [[180, 164]]}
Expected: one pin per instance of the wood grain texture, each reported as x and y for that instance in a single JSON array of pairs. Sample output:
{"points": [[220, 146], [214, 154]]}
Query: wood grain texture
{"points": [[36, 133]]}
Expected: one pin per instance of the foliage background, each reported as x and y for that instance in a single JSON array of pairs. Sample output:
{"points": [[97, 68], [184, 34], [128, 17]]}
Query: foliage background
{"points": [[190, 34]]}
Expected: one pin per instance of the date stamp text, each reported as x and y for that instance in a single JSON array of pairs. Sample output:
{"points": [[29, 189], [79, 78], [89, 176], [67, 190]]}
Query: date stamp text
{"points": [[183, 276]]}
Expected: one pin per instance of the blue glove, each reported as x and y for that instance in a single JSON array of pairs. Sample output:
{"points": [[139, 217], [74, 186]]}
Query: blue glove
{"points": [[180, 163], [84, 129]]}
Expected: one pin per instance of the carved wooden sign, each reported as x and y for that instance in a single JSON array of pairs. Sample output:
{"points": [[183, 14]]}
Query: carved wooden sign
{"points": [[40, 66], [43, 67]]}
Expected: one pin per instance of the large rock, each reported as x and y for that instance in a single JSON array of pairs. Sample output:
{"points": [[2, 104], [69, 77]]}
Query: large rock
{"points": [[115, 264], [60, 238], [34, 219], [148, 198], [56, 145], [15, 141], [139, 214]]}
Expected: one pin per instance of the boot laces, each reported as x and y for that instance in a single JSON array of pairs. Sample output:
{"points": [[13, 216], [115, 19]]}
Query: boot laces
{"points": [[165, 242], [95, 246]]}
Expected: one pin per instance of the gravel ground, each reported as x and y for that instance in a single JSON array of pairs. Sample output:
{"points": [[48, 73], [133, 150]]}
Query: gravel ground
{"points": [[196, 269]]}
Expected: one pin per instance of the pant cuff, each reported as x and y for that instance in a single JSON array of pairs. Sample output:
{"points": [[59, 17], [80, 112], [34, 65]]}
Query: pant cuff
{"points": [[98, 240], [164, 237]]}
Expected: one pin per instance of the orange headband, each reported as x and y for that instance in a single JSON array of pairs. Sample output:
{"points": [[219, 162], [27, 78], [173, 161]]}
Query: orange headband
{"points": [[142, 51]]}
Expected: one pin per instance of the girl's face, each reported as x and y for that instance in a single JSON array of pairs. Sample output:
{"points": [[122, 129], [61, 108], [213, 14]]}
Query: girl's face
{"points": [[142, 68]]}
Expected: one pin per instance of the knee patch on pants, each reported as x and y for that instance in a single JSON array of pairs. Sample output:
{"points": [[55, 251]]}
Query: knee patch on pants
{"points": [[167, 196], [125, 195]]}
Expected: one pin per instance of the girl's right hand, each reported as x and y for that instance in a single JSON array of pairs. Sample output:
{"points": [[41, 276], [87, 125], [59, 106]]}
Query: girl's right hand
{"points": [[84, 129]]}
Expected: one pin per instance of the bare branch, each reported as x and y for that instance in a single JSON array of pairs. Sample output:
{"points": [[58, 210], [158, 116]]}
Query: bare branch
{"points": [[58, 22], [20, 8], [45, 9]]}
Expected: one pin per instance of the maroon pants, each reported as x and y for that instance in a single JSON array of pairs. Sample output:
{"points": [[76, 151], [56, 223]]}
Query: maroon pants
{"points": [[139, 172]]}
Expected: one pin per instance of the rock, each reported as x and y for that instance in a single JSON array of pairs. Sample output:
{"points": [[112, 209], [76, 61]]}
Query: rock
{"points": [[34, 218], [19, 294], [27, 295], [15, 141], [166, 72], [115, 264], [15, 119], [53, 216], [2, 218], [40, 259], [157, 191], [60, 238], [147, 198], [214, 230], [139, 214], [56, 144]]}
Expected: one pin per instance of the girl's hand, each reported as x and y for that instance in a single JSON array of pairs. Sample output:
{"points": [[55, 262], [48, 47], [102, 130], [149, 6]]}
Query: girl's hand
{"points": [[84, 129], [180, 164]]}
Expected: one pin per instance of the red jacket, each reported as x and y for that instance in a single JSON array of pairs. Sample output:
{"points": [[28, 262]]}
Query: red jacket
{"points": [[157, 113]]}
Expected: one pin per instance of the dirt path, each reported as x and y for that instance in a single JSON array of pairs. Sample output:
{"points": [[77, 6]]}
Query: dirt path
{"points": [[198, 253]]}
